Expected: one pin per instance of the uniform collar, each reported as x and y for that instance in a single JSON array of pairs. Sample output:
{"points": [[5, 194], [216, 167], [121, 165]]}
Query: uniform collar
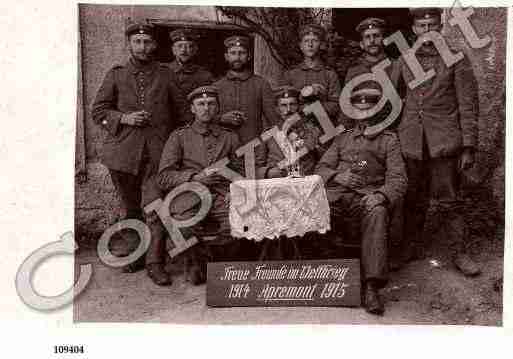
{"points": [[241, 76], [357, 131], [187, 68], [318, 66], [366, 60], [147, 69], [211, 129]]}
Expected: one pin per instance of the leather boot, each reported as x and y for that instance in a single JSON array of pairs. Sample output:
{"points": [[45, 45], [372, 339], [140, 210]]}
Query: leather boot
{"points": [[372, 300], [456, 235], [466, 265], [158, 275]]}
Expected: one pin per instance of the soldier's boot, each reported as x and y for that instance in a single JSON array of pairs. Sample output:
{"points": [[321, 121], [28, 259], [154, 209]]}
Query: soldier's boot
{"points": [[198, 258], [456, 235], [372, 300], [155, 256]]}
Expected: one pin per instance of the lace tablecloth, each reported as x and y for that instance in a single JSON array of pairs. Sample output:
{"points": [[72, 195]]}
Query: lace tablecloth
{"points": [[282, 206]]}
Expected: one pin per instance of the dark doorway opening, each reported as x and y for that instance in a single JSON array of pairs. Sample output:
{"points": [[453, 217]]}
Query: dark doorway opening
{"points": [[345, 21], [211, 44]]}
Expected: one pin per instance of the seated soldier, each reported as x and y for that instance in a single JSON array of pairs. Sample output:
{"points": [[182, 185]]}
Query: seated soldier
{"points": [[187, 153], [299, 134], [364, 177]]}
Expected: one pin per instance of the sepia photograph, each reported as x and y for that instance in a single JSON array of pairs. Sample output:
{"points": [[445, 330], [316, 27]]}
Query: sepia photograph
{"points": [[283, 165]]}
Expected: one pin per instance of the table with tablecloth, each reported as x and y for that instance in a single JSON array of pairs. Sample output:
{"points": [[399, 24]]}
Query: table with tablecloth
{"points": [[278, 207]]}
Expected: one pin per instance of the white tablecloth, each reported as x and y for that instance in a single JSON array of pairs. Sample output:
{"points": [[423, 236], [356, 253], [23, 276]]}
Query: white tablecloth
{"points": [[283, 206]]}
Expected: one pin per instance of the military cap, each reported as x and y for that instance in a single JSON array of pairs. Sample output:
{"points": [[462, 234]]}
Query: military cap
{"points": [[286, 92], [203, 91], [139, 28], [315, 29], [237, 40], [183, 35], [366, 95], [419, 13], [371, 23]]}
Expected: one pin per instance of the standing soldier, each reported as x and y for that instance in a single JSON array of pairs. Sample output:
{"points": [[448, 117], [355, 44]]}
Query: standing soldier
{"points": [[189, 75], [438, 134], [314, 79], [364, 178], [134, 107], [246, 99]]}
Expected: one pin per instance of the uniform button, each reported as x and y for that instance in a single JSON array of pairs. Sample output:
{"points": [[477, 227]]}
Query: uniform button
{"points": [[104, 122], [421, 112]]}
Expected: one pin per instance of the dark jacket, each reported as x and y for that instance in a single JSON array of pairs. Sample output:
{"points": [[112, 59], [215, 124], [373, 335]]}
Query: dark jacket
{"points": [[302, 75], [382, 164], [125, 89], [188, 151], [444, 108], [188, 78], [252, 95]]}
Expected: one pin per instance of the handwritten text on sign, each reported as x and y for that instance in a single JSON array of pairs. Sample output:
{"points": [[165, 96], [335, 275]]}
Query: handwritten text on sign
{"points": [[284, 283]]}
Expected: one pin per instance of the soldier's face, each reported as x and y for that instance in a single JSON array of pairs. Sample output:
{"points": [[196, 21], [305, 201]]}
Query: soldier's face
{"points": [[287, 107], [204, 109], [310, 45], [184, 51], [372, 41], [422, 26], [237, 57], [141, 46]]}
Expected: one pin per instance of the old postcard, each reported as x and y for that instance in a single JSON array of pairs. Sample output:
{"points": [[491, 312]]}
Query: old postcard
{"points": [[281, 165]]}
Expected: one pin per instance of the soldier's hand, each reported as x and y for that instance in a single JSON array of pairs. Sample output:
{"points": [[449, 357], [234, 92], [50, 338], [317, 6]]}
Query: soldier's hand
{"points": [[466, 159], [349, 179], [274, 172], [372, 200], [318, 89], [233, 118], [138, 119]]}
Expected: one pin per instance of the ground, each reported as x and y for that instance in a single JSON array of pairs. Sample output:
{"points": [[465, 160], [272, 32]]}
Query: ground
{"points": [[429, 291]]}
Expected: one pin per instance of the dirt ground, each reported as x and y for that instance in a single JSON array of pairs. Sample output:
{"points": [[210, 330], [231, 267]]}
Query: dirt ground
{"points": [[429, 291]]}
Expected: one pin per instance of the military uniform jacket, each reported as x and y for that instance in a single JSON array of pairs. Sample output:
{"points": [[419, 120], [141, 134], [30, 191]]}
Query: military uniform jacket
{"points": [[126, 89], [378, 160], [444, 108], [363, 66], [188, 78], [310, 133], [252, 95], [302, 75], [188, 151]]}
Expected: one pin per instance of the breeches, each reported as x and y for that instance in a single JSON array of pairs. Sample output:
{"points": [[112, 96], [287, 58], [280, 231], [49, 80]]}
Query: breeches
{"points": [[369, 227]]}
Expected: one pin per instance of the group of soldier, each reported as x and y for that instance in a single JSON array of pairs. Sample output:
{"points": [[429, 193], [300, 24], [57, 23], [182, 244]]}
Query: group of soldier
{"points": [[166, 123]]}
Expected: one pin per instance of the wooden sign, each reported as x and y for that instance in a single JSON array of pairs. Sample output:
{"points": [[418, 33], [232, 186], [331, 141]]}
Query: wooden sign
{"points": [[315, 283]]}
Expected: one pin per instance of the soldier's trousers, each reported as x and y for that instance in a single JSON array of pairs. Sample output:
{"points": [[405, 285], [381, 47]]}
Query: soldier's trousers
{"points": [[136, 191], [369, 227], [213, 232], [434, 181]]}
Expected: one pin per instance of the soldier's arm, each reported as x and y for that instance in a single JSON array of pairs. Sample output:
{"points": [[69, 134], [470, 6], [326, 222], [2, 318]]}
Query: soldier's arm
{"points": [[395, 176], [468, 101], [104, 110], [269, 107], [170, 175], [331, 105], [326, 168], [176, 98]]}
